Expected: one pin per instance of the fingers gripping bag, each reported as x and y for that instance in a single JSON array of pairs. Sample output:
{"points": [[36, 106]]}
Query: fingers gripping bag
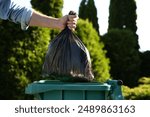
{"points": [[67, 58]]}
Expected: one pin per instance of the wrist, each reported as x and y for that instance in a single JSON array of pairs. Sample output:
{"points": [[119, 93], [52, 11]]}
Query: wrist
{"points": [[55, 23]]}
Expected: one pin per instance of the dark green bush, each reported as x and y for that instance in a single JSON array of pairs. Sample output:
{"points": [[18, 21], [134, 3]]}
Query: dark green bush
{"points": [[145, 65], [121, 46]]}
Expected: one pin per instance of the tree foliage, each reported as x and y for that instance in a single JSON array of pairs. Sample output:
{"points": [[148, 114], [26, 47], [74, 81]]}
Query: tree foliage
{"points": [[145, 65], [23, 52], [51, 8], [87, 10], [21, 58], [124, 57], [90, 38], [122, 14], [141, 92]]}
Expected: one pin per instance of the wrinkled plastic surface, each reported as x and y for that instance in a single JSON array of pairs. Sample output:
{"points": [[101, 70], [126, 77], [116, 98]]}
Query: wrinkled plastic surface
{"points": [[67, 59]]}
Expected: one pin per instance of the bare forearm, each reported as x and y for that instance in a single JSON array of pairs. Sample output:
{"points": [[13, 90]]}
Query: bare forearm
{"points": [[41, 20]]}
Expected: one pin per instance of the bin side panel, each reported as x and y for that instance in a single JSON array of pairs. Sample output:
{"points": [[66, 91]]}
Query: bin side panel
{"points": [[74, 95], [95, 95], [52, 95]]}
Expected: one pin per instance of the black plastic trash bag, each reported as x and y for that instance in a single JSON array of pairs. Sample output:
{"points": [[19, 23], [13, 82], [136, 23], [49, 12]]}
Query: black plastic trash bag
{"points": [[67, 59]]}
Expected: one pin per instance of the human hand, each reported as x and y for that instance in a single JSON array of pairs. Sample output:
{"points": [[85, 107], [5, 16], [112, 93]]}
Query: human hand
{"points": [[70, 21]]}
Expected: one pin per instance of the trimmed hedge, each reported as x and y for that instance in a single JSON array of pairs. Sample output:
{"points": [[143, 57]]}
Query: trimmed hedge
{"points": [[142, 92]]}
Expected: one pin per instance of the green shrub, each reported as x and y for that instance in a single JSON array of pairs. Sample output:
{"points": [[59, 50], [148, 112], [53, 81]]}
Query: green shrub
{"points": [[90, 38], [145, 65], [121, 46], [144, 80], [21, 54], [142, 92]]}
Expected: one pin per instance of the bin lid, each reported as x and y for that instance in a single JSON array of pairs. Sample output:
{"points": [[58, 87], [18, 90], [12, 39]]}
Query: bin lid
{"points": [[48, 85]]}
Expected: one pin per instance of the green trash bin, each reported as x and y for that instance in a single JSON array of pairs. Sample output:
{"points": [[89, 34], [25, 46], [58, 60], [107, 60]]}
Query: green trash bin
{"points": [[56, 90]]}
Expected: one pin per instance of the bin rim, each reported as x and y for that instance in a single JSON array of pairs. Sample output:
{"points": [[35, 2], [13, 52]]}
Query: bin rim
{"points": [[49, 85]]}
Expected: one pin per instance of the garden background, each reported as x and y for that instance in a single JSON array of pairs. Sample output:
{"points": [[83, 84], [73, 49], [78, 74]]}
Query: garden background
{"points": [[114, 55]]}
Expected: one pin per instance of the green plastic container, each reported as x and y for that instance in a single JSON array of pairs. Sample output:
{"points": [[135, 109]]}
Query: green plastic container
{"points": [[55, 90]]}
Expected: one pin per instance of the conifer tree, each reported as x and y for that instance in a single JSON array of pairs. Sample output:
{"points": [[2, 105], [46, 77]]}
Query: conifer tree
{"points": [[87, 10], [124, 56], [122, 40], [145, 65], [122, 15]]}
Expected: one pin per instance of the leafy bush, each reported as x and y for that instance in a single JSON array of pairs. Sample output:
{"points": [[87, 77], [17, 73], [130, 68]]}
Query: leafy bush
{"points": [[21, 56], [90, 38], [144, 80], [22, 52], [145, 65], [141, 92], [121, 46]]}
